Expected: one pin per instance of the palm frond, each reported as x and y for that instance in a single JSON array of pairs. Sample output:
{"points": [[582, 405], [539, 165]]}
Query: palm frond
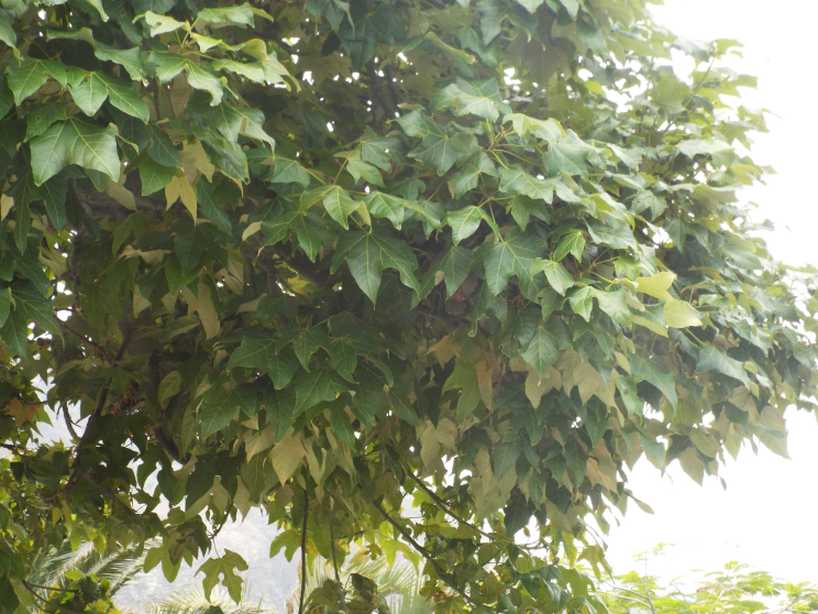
{"points": [[193, 601]]}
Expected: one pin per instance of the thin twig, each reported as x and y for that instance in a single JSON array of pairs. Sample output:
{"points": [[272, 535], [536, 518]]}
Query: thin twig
{"points": [[332, 543], [69, 423], [304, 553]]}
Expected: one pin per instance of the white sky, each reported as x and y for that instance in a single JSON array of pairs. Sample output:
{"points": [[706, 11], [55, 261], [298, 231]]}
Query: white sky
{"points": [[767, 516]]}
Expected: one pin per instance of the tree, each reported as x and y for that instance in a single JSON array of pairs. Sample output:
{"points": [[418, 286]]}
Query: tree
{"points": [[732, 590], [346, 259]]}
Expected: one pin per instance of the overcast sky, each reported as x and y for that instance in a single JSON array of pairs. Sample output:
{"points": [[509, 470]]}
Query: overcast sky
{"points": [[767, 515]]}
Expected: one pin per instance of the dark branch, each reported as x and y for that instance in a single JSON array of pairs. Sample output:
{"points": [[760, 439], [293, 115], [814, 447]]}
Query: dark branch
{"points": [[442, 573], [304, 553]]}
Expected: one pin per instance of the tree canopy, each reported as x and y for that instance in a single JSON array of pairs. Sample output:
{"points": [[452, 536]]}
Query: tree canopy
{"points": [[423, 277]]}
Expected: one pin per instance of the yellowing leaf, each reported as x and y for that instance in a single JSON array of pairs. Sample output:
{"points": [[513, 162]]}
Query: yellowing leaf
{"points": [[483, 370], [6, 203], [169, 387], [287, 456], [536, 385], [207, 311], [596, 475], [179, 188], [195, 160], [679, 314], [656, 285], [22, 413], [692, 464]]}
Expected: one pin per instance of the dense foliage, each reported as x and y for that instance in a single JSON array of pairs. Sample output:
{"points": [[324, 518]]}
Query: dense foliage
{"points": [[413, 274]]}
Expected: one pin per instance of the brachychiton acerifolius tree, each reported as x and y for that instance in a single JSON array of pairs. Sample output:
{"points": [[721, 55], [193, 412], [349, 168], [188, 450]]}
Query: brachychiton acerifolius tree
{"points": [[419, 276]]}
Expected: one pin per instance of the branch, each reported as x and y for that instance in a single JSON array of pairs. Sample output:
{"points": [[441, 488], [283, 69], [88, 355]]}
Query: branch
{"points": [[102, 351], [444, 506], [69, 423], [332, 543], [304, 553], [425, 553], [90, 426]]}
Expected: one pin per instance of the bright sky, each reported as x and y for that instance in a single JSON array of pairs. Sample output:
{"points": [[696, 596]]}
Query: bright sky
{"points": [[766, 517]]}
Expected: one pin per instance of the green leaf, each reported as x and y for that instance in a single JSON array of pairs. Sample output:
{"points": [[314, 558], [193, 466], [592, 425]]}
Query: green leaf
{"points": [[265, 355], [515, 180], [491, 18], [614, 304], [465, 222], [33, 307], [397, 209], [152, 176], [482, 99], [218, 408], [541, 352], [14, 333], [54, 193], [127, 100], [467, 176], [253, 71], [367, 255], [456, 266], [548, 130], [97, 6], [417, 124], [241, 15], [713, 359], [202, 79], [169, 65], [26, 77], [289, 171], [531, 5], [74, 142], [340, 205], [569, 155], [647, 371], [7, 34], [6, 98], [5, 305], [88, 89], [698, 147], [130, 59], [317, 386], [510, 257], [582, 302], [308, 343], [161, 24], [42, 117], [223, 569], [572, 242], [571, 6], [556, 274], [359, 169], [378, 150], [442, 150]]}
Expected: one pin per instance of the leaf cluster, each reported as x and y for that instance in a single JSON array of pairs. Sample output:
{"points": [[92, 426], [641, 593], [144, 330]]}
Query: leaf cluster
{"points": [[423, 277]]}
